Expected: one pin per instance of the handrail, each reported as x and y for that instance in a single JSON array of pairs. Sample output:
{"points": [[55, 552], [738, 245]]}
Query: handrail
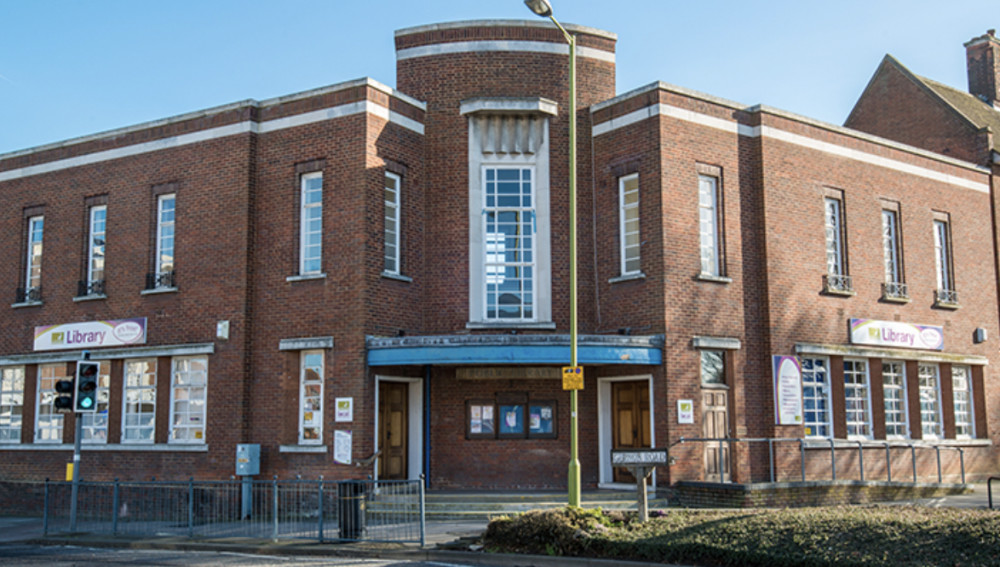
{"points": [[368, 460], [859, 444]]}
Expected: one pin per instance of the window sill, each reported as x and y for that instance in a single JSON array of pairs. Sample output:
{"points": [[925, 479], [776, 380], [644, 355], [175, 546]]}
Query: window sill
{"points": [[26, 304], [824, 443], [160, 447], [895, 299], [627, 278], [397, 277], [510, 325], [713, 278], [839, 292], [946, 305], [158, 290], [94, 297], [306, 277], [302, 449]]}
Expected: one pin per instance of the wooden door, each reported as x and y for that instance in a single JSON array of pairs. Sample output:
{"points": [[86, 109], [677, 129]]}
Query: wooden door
{"points": [[393, 403], [630, 420], [715, 425]]}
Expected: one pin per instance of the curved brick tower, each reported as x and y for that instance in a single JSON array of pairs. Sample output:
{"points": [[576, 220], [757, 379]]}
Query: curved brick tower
{"points": [[510, 78]]}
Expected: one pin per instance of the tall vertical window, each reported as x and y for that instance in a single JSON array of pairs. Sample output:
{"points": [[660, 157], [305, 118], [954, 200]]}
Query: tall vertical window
{"points": [[856, 399], [163, 276], [961, 386], [894, 393], [816, 397], [628, 219], [11, 403], [836, 279], [393, 252], [33, 274], [893, 286], [930, 401], [95, 425], [48, 420], [139, 421], [188, 389], [95, 250], [509, 262], [943, 263], [708, 225], [311, 223], [311, 397]]}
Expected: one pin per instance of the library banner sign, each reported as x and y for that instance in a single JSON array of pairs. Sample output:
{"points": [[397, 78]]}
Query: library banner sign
{"points": [[91, 334]]}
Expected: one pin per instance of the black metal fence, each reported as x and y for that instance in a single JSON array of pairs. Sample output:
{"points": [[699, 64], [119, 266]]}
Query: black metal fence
{"points": [[324, 511]]}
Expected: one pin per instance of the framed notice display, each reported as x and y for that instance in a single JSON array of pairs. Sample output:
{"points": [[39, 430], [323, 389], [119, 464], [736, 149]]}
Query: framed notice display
{"points": [[511, 421], [480, 419], [542, 420]]}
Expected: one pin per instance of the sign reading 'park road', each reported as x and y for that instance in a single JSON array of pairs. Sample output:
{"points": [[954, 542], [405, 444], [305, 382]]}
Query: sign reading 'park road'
{"points": [[639, 457]]}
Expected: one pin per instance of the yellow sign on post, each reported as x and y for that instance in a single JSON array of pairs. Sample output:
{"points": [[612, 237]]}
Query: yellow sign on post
{"points": [[69, 472], [572, 377]]}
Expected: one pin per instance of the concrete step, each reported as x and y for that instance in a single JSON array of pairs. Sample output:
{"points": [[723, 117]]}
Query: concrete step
{"points": [[483, 506]]}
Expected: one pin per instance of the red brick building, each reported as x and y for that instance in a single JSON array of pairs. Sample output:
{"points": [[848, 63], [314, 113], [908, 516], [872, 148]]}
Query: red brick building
{"points": [[368, 280]]}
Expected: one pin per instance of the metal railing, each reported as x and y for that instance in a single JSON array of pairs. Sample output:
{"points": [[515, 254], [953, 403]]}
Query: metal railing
{"points": [[834, 446], [894, 290], [837, 283], [945, 297], [28, 295], [87, 288], [325, 511]]}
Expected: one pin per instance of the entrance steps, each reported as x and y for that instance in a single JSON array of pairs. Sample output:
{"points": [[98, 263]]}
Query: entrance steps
{"points": [[485, 505]]}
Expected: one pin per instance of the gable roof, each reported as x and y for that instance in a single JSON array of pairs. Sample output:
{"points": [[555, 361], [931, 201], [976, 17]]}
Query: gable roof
{"points": [[976, 112]]}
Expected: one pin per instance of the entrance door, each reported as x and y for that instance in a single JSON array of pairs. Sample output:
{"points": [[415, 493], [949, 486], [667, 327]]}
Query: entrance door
{"points": [[715, 425], [630, 420], [393, 420]]}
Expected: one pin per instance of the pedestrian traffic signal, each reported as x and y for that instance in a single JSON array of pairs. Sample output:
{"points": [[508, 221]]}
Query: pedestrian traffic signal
{"points": [[64, 395], [86, 385]]}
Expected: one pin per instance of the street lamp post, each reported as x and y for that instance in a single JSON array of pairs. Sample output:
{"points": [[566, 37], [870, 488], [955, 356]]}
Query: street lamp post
{"points": [[544, 9]]}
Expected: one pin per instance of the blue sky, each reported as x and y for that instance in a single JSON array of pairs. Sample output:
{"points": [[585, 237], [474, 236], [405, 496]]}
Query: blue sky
{"points": [[74, 68]]}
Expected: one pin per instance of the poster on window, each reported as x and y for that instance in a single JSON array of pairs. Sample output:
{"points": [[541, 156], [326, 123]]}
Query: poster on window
{"points": [[787, 390], [342, 447]]}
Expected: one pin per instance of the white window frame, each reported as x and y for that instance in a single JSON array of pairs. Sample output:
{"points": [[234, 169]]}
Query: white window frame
{"points": [[311, 233], [188, 399], [95, 424], [33, 263], [709, 244], [166, 237], [393, 224], [942, 255], [11, 404], [834, 225], [629, 246], [135, 395], [96, 244], [897, 423], [311, 396], [494, 260], [891, 247], [930, 401], [965, 422], [816, 397], [857, 399], [48, 420]]}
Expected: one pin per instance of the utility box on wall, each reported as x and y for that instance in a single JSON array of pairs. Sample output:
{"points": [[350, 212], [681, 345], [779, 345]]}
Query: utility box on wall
{"points": [[247, 459]]}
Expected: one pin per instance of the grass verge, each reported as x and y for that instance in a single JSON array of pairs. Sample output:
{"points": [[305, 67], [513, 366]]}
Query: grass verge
{"points": [[900, 536]]}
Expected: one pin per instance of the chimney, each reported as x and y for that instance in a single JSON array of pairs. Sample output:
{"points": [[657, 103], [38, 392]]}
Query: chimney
{"points": [[982, 56]]}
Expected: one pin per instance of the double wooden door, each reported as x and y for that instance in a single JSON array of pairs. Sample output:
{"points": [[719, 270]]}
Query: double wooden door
{"points": [[630, 420], [393, 419]]}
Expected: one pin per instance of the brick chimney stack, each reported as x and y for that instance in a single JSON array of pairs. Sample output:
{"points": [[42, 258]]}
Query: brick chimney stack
{"points": [[982, 56]]}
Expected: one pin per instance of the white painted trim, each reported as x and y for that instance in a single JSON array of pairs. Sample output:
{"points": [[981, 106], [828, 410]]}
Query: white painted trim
{"points": [[773, 133], [511, 105], [604, 424], [216, 133], [414, 425], [500, 46]]}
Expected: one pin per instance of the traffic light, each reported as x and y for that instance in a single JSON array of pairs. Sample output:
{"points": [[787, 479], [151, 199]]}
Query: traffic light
{"points": [[86, 385], [64, 395]]}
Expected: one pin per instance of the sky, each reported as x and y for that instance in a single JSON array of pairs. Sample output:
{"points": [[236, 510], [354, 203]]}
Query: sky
{"points": [[71, 68]]}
